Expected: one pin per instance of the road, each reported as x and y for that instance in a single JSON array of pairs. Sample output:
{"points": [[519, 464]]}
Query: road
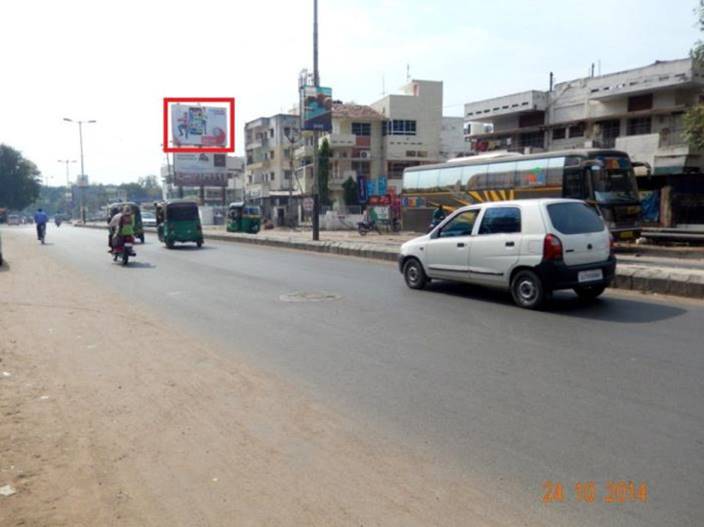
{"points": [[509, 398]]}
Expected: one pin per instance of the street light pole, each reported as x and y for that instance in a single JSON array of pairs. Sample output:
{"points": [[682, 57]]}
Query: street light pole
{"points": [[316, 82], [82, 176]]}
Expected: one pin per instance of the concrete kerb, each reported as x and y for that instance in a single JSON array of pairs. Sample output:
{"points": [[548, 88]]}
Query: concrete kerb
{"points": [[632, 277]]}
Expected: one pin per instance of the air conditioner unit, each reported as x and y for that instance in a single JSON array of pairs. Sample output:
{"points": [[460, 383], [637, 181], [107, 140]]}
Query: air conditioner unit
{"points": [[365, 154]]}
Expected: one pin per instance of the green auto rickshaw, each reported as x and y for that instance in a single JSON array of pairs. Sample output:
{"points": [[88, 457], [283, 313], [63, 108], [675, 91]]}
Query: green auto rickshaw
{"points": [[178, 221], [114, 208], [244, 218]]}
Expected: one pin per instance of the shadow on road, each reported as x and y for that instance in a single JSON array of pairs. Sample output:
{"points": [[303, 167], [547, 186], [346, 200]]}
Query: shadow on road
{"points": [[136, 265], [192, 248], [564, 303], [5, 266]]}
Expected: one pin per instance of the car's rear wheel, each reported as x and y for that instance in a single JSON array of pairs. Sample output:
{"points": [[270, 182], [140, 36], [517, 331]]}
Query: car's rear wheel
{"points": [[589, 292], [527, 290], [414, 274]]}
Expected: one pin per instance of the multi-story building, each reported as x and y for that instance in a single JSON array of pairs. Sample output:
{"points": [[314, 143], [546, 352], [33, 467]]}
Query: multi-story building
{"points": [[639, 111], [269, 180]]}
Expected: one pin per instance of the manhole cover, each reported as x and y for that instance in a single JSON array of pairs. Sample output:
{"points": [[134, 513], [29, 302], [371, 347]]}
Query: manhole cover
{"points": [[308, 296]]}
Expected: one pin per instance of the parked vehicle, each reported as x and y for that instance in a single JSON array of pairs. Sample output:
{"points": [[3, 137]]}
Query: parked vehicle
{"points": [[122, 251], [364, 227], [14, 219], [603, 178], [244, 218], [529, 247], [114, 208], [178, 221], [148, 219]]}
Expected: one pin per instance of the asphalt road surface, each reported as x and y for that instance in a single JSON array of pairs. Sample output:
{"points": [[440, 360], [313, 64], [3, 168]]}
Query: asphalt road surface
{"points": [[610, 391]]}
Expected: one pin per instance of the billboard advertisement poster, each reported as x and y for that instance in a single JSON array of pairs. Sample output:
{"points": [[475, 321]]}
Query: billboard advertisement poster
{"points": [[201, 169], [382, 185], [199, 125], [371, 188], [317, 108], [362, 194]]}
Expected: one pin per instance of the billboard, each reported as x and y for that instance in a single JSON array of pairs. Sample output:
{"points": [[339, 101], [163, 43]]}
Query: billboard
{"points": [[317, 108], [200, 169], [198, 125]]}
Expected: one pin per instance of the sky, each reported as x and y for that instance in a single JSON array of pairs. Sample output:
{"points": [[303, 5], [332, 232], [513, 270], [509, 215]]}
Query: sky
{"points": [[113, 62]]}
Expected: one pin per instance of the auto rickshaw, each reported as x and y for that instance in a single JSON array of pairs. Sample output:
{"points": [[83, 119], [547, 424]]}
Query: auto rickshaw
{"points": [[178, 221], [114, 208], [244, 218]]}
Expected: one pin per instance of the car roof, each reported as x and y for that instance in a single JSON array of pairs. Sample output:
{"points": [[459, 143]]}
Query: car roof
{"points": [[520, 203]]}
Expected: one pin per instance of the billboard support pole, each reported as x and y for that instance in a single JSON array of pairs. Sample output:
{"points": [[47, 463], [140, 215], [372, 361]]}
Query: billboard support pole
{"points": [[316, 81]]}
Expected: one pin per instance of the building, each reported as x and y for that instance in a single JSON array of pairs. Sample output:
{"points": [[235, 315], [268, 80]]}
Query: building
{"points": [[269, 180], [639, 111]]}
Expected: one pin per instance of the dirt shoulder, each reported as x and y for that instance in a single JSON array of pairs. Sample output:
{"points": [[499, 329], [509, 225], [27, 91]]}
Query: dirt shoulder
{"points": [[95, 431]]}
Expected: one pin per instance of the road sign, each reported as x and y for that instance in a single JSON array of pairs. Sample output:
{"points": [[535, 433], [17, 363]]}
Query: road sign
{"points": [[308, 204]]}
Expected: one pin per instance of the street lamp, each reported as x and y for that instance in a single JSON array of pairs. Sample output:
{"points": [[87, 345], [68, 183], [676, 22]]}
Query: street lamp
{"points": [[80, 182], [68, 181]]}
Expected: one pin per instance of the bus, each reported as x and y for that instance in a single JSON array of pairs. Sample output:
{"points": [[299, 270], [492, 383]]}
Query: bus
{"points": [[603, 178]]}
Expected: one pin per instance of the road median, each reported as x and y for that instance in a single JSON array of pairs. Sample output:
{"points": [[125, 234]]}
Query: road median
{"points": [[664, 280]]}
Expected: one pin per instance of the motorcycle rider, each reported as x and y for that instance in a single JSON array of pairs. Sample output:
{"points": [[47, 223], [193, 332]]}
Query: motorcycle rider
{"points": [[121, 225], [40, 219]]}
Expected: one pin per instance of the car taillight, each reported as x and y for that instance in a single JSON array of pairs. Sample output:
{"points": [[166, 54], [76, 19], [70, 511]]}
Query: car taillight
{"points": [[552, 248], [612, 244]]}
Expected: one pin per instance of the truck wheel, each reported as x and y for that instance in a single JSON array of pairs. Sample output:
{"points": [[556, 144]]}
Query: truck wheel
{"points": [[528, 291], [414, 274], [170, 244]]}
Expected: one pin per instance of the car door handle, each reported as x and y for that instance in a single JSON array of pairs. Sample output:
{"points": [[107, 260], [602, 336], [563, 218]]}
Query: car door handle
{"points": [[460, 244], [510, 244]]}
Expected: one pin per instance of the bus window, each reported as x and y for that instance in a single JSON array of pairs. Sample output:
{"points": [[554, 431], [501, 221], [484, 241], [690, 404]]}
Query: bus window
{"points": [[410, 181], [574, 184], [428, 179], [556, 168], [474, 177], [501, 175], [449, 177], [531, 173]]}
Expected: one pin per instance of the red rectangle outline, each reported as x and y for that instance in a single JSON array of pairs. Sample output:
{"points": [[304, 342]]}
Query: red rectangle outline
{"points": [[197, 149]]}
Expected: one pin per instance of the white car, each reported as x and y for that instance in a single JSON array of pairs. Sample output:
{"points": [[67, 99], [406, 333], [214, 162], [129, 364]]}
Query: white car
{"points": [[148, 219], [530, 247]]}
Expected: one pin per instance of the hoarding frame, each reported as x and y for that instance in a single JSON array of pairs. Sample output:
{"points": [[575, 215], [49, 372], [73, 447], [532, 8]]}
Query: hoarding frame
{"points": [[198, 149]]}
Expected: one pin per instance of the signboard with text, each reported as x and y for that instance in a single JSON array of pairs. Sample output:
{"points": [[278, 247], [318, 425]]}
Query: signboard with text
{"points": [[195, 170]]}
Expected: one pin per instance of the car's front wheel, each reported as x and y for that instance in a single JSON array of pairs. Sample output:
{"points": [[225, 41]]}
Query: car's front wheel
{"points": [[589, 292], [414, 274], [527, 290]]}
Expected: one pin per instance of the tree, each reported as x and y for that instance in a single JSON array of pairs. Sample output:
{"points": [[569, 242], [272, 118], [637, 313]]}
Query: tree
{"points": [[694, 118], [19, 179], [350, 192], [324, 155]]}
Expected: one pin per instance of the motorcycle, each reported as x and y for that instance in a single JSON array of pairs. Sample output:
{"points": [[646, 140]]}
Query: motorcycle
{"points": [[124, 250], [57, 221], [364, 227]]}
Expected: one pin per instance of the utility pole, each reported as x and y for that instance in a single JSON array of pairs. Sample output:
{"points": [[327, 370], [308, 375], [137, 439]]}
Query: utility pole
{"points": [[316, 82], [82, 176]]}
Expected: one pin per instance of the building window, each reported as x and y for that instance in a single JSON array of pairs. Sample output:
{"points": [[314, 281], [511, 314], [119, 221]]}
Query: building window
{"points": [[640, 102], [271, 154], [531, 119], [577, 130], [271, 132], [535, 139], [272, 176], [249, 178], [362, 168], [558, 133], [401, 127], [364, 129], [609, 131], [287, 174], [638, 126]]}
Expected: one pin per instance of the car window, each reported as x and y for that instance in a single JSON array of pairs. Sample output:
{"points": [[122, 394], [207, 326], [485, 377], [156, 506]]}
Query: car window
{"points": [[460, 225], [501, 220], [574, 218]]}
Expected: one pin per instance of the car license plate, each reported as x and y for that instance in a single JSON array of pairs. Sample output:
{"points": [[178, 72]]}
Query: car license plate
{"points": [[626, 235], [590, 276]]}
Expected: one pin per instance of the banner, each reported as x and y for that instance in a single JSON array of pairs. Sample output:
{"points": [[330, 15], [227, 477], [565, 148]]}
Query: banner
{"points": [[196, 170], [317, 108], [198, 125], [362, 194]]}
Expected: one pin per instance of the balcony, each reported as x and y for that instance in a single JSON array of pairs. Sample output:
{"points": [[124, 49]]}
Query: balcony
{"points": [[303, 151]]}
